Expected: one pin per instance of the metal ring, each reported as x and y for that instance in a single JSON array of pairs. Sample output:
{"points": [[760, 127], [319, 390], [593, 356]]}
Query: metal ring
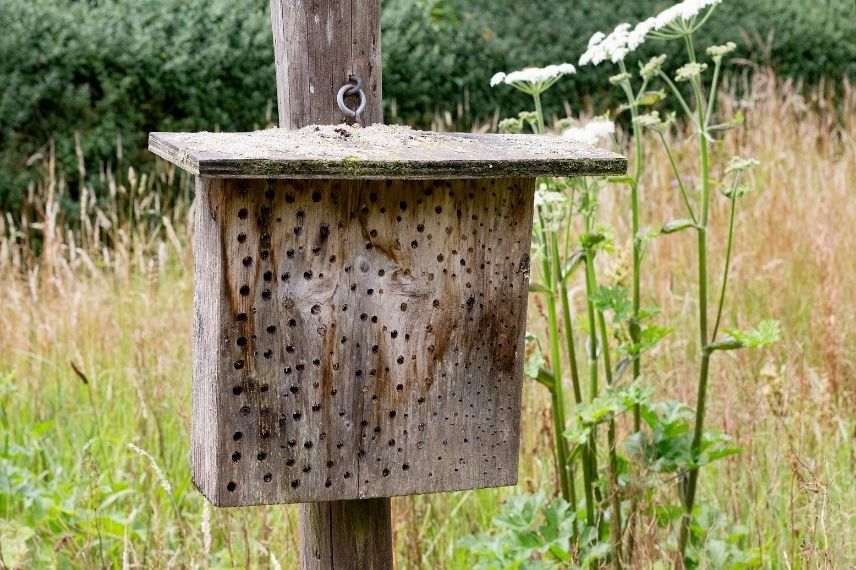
{"points": [[349, 89], [356, 85]]}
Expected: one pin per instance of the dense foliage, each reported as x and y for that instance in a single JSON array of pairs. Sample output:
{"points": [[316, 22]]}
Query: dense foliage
{"points": [[111, 68]]}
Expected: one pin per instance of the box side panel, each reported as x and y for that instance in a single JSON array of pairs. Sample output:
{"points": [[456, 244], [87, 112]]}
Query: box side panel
{"points": [[366, 339], [207, 319]]}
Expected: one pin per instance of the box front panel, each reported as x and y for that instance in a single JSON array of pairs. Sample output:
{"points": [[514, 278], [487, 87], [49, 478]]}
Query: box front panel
{"points": [[358, 338]]}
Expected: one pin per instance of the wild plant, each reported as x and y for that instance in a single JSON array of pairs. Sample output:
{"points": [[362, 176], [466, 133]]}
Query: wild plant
{"points": [[667, 440]]}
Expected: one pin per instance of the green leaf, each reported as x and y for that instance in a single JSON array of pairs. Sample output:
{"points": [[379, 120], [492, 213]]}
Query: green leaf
{"points": [[530, 532], [766, 333], [649, 338], [534, 358], [715, 446], [615, 299], [592, 240], [650, 98]]}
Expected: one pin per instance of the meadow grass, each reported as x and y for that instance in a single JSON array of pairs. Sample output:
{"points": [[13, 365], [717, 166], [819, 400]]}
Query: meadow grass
{"points": [[95, 369]]}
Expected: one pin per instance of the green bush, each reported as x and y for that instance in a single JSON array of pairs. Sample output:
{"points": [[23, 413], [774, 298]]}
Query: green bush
{"points": [[112, 70], [459, 44]]}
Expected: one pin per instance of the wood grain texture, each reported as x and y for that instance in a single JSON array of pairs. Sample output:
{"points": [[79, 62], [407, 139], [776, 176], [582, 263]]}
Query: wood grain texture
{"points": [[380, 152], [347, 535], [318, 45], [358, 339]]}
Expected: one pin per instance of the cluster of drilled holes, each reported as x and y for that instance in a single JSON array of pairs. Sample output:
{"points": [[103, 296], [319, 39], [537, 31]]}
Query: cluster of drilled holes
{"points": [[435, 303]]}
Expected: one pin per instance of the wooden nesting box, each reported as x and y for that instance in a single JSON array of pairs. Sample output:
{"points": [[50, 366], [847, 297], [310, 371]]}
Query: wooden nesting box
{"points": [[360, 307]]}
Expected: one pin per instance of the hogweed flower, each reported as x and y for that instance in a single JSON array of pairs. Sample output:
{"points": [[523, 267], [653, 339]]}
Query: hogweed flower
{"points": [[624, 39], [613, 47], [652, 68], [533, 80], [619, 78], [690, 71], [545, 197], [654, 122], [511, 125], [551, 206], [739, 164], [529, 117], [592, 133], [679, 16], [718, 52]]}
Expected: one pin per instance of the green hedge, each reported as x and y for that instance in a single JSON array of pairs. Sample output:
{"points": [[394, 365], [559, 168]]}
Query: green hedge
{"points": [[112, 70]]}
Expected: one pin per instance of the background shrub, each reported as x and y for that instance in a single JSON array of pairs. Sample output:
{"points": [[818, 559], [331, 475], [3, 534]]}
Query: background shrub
{"points": [[112, 70]]}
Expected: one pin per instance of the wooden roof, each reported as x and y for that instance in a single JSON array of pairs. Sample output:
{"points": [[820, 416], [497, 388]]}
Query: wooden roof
{"points": [[379, 152]]}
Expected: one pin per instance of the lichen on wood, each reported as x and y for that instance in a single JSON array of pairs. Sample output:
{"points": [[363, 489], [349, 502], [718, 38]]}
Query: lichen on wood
{"points": [[380, 152]]}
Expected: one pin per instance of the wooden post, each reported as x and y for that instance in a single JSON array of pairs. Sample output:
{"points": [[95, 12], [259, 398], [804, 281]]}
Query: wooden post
{"points": [[318, 46]]}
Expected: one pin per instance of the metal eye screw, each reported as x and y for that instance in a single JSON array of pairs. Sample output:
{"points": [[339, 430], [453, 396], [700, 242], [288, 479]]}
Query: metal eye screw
{"points": [[354, 86]]}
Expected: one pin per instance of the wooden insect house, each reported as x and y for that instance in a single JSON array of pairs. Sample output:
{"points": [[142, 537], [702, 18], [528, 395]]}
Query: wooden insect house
{"points": [[360, 294]]}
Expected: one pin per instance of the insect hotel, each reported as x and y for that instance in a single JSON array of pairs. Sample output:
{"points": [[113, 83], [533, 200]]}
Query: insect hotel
{"points": [[360, 294]]}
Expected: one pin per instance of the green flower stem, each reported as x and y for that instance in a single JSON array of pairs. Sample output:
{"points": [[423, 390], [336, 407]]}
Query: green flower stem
{"points": [[678, 177], [677, 93], [575, 374], [635, 332], [570, 343], [704, 376], [593, 371], [726, 268], [614, 497], [557, 390], [638, 158], [711, 100], [539, 112]]}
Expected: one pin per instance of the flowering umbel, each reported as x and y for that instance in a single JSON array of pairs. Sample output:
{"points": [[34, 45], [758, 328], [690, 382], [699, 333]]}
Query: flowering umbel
{"points": [[625, 38], [533, 80], [592, 133]]}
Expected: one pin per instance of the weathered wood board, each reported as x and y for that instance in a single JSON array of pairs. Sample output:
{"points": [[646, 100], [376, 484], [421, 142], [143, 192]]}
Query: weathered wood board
{"points": [[318, 44], [380, 152], [357, 338]]}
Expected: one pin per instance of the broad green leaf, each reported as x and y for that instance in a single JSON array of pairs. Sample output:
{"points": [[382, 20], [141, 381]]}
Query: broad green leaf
{"points": [[766, 333], [613, 299], [534, 359]]}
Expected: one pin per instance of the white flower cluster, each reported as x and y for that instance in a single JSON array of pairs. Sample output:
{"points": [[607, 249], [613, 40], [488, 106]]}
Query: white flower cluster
{"points": [[718, 52], [545, 197], [592, 133], [533, 75], [690, 71], [740, 164], [685, 11], [613, 47], [623, 40], [653, 67]]}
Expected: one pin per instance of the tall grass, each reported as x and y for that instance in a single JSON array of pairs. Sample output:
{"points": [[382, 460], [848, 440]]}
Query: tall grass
{"points": [[95, 375]]}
